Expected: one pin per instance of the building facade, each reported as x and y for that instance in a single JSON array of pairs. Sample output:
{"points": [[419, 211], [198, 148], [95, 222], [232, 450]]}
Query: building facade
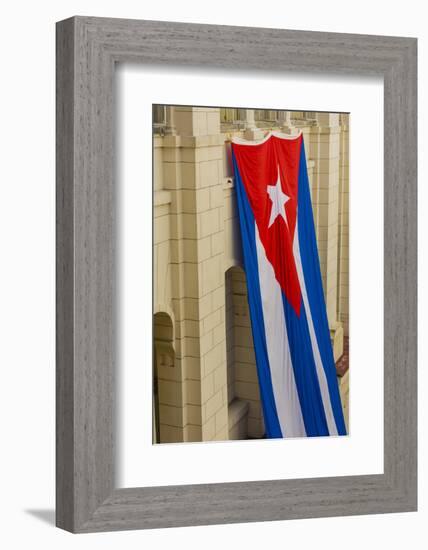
{"points": [[205, 378]]}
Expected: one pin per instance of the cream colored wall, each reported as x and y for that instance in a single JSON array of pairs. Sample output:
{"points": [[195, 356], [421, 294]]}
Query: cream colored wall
{"points": [[196, 241], [192, 172], [323, 148], [343, 260]]}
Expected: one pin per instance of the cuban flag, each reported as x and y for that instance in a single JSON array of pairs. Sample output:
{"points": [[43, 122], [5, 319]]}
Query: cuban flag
{"points": [[296, 371]]}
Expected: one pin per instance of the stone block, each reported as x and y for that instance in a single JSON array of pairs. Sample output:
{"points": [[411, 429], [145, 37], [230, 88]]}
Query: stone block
{"points": [[221, 217], [325, 214], [190, 175], [170, 372], [208, 171], [328, 119], [213, 358], [191, 367], [235, 433], [190, 280], [336, 336], [200, 127], [220, 377], [189, 226], [175, 250], [211, 320], [187, 307], [344, 264], [232, 246], [243, 336], [191, 248], [204, 249], [190, 155], [211, 274], [256, 428], [184, 122], [189, 346], [193, 201], [219, 334], [204, 306], [327, 195], [206, 344], [241, 317], [207, 387], [193, 392], [218, 297], [193, 433], [173, 416], [209, 222], [254, 409], [326, 180], [238, 419], [160, 210], [247, 390], [175, 225], [344, 291], [208, 429], [246, 372], [326, 150], [230, 208], [170, 154], [220, 420], [222, 434], [170, 393], [188, 327], [161, 229], [194, 414], [245, 353], [171, 175], [217, 243], [216, 196], [213, 121], [230, 390], [170, 434], [214, 404], [162, 272]]}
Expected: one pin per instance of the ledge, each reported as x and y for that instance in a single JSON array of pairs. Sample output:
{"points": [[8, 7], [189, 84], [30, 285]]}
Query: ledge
{"points": [[237, 410], [162, 197], [228, 183], [191, 141], [324, 129]]}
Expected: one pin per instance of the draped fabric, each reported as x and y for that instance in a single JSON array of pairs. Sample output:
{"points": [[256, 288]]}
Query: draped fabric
{"points": [[295, 365]]}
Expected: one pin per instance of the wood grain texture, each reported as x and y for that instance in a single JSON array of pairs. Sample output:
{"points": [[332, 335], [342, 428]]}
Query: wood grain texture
{"points": [[87, 49]]}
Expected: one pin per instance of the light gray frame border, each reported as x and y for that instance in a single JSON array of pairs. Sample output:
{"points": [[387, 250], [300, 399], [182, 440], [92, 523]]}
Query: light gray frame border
{"points": [[87, 50]]}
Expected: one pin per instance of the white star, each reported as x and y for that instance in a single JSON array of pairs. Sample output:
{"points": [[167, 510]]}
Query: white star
{"points": [[279, 200]]}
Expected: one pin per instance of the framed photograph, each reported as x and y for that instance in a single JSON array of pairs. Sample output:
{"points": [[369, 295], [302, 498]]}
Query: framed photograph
{"points": [[236, 274], [260, 303]]}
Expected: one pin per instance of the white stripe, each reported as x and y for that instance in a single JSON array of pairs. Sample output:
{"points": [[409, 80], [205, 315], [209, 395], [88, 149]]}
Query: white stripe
{"points": [[322, 379], [281, 368], [243, 141]]}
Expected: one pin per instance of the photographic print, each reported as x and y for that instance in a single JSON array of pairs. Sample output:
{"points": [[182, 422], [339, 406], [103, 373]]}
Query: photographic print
{"points": [[249, 213], [250, 274]]}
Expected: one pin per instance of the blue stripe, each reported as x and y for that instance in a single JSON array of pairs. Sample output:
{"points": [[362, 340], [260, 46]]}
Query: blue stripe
{"points": [[313, 282], [248, 236], [305, 373]]}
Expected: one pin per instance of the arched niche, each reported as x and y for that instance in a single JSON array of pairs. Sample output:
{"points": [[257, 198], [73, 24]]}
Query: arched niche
{"points": [[167, 384]]}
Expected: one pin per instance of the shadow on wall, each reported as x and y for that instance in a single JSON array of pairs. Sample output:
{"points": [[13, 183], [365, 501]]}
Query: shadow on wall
{"points": [[167, 390], [245, 412]]}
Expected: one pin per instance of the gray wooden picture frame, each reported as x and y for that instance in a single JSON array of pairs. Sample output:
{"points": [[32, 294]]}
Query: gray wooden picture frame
{"points": [[87, 50]]}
